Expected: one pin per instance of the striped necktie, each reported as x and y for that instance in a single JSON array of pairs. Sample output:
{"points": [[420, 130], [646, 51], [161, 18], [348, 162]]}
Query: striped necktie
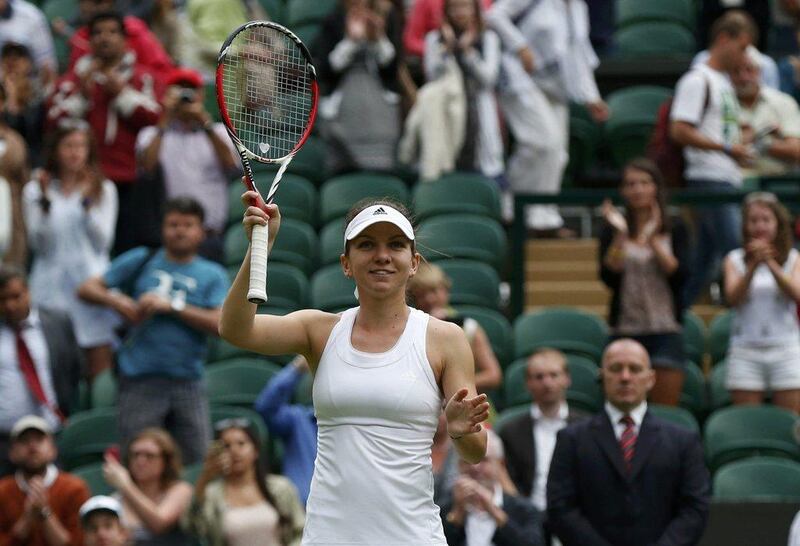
{"points": [[627, 442]]}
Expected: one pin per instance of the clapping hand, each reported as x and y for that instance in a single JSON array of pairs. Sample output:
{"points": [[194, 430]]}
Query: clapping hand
{"points": [[614, 217], [653, 225], [759, 251], [465, 415]]}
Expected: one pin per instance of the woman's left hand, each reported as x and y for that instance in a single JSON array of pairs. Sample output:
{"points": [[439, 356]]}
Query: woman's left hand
{"points": [[116, 475], [465, 415]]}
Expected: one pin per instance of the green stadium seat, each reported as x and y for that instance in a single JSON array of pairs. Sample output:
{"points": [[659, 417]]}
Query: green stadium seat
{"points": [[66, 10], [331, 241], [633, 115], [210, 101], [679, 416], [287, 287], [86, 436], [274, 8], [681, 12], [719, 334], [308, 34], [299, 12], [237, 382], [192, 472], [219, 349], [474, 283], [103, 392], [338, 194], [497, 328], [694, 337], [507, 415], [296, 197], [331, 290], [719, 394], [92, 474], [654, 39], [310, 160], [584, 140], [464, 236], [458, 192], [758, 479], [694, 394], [738, 432], [584, 392], [303, 391], [296, 245], [569, 330]]}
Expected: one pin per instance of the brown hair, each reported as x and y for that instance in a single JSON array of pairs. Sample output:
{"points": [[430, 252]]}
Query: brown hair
{"points": [[733, 23], [65, 129], [370, 201], [649, 167], [547, 352], [170, 452], [783, 236], [428, 276], [478, 14]]}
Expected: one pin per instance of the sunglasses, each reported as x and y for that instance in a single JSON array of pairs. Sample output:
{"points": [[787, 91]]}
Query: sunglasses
{"points": [[233, 422]]}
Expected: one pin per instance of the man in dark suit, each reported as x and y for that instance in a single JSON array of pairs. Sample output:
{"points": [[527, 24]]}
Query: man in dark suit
{"points": [[530, 438], [40, 361], [481, 513], [625, 477]]}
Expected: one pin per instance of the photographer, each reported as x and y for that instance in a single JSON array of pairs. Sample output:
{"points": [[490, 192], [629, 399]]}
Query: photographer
{"points": [[194, 155]]}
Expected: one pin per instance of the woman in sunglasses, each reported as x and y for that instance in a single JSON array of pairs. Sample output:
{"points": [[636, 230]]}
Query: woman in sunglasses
{"points": [[236, 503]]}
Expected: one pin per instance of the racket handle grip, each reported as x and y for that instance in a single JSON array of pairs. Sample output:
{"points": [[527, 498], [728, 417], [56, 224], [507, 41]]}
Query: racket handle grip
{"points": [[259, 241]]}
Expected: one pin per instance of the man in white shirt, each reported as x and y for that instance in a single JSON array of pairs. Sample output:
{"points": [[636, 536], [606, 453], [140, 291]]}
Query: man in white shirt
{"points": [[705, 121], [626, 477]]}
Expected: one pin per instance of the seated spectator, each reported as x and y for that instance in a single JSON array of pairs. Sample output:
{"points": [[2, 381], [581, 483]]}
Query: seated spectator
{"points": [[462, 50], [236, 502], [23, 23], [762, 285], [13, 176], [138, 38], [40, 362], [39, 504], [101, 520], [770, 120], [171, 298], [294, 424], [481, 513], [625, 477], [643, 260], [24, 106], [205, 24], [116, 95], [70, 215], [151, 490], [193, 155], [356, 57], [430, 291], [529, 439]]}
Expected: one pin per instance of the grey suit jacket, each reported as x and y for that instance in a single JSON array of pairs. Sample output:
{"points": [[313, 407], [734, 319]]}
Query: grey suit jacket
{"points": [[66, 358]]}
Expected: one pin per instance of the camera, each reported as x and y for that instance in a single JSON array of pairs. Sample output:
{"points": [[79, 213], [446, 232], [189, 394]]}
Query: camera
{"points": [[187, 95]]}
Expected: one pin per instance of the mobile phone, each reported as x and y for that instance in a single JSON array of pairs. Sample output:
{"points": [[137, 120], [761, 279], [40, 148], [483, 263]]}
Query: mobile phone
{"points": [[113, 452]]}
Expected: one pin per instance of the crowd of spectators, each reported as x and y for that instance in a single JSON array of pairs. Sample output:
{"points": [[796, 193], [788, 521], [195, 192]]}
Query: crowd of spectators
{"points": [[113, 207]]}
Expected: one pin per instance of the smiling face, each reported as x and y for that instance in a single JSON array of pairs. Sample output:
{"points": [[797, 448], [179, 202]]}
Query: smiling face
{"points": [[760, 223], [380, 259]]}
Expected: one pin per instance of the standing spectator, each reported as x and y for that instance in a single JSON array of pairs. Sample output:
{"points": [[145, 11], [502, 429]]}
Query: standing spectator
{"points": [[430, 290], [770, 120], [101, 520], [40, 362], [549, 61], [39, 504], [236, 502], [13, 176], [356, 57], [165, 23], [171, 298], [23, 23], [643, 261], [117, 96], [482, 514], [151, 490], [70, 214], [205, 24], [294, 424], [757, 10], [705, 121], [194, 156], [24, 107], [762, 284], [529, 440], [462, 40], [626, 477]]}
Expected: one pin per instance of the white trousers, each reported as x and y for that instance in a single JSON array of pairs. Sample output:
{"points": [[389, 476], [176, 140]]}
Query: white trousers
{"points": [[540, 127]]}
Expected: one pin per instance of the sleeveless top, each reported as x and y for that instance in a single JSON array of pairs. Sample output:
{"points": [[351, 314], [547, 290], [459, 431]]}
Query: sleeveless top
{"points": [[376, 416], [767, 316]]}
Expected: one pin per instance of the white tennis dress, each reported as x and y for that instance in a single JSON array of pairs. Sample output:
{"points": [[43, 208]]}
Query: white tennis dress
{"points": [[376, 413]]}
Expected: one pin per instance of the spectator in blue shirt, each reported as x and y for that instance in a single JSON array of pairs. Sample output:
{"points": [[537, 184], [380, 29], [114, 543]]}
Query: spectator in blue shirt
{"points": [[171, 298], [294, 424]]}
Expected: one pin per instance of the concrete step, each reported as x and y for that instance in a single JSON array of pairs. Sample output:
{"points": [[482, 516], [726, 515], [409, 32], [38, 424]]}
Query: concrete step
{"points": [[599, 310], [561, 250], [566, 293], [536, 271]]}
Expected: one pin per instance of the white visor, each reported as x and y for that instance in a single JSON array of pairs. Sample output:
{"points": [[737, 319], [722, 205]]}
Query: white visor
{"points": [[373, 215]]}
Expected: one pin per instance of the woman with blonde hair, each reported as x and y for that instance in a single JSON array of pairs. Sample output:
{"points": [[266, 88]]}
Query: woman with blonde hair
{"points": [[762, 285]]}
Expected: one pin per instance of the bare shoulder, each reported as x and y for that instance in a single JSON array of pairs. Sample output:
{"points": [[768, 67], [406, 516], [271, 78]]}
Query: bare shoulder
{"points": [[444, 342]]}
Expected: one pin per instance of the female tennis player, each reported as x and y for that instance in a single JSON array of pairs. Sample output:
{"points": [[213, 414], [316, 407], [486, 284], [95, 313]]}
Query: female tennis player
{"points": [[380, 372]]}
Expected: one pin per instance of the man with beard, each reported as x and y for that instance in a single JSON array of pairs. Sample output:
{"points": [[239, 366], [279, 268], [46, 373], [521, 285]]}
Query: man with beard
{"points": [[39, 504]]}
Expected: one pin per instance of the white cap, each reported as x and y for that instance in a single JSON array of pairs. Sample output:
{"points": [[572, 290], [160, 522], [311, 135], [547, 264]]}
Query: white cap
{"points": [[30, 422], [100, 502], [375, 214]]}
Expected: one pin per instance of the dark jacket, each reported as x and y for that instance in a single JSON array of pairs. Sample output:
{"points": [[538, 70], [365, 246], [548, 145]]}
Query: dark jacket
{"points": [[524, 526], [66, 358]]}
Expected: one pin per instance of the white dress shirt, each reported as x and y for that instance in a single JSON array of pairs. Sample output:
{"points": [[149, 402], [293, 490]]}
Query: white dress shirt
{"points": [[545, 430], [614, 414], [480, 526]]}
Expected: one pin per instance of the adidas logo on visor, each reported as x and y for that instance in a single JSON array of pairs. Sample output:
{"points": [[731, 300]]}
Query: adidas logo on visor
{"points": [[379, 211]]}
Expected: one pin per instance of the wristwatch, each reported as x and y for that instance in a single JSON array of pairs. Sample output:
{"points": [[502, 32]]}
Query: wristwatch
{"points": [[177, 304]]}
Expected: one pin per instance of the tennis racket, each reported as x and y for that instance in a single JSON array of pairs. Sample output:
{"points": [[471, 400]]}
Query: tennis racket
{"points": [[267, 95]]}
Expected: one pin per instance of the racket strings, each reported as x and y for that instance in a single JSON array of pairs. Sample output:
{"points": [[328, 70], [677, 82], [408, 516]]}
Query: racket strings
{"points": [[267, 91]]}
